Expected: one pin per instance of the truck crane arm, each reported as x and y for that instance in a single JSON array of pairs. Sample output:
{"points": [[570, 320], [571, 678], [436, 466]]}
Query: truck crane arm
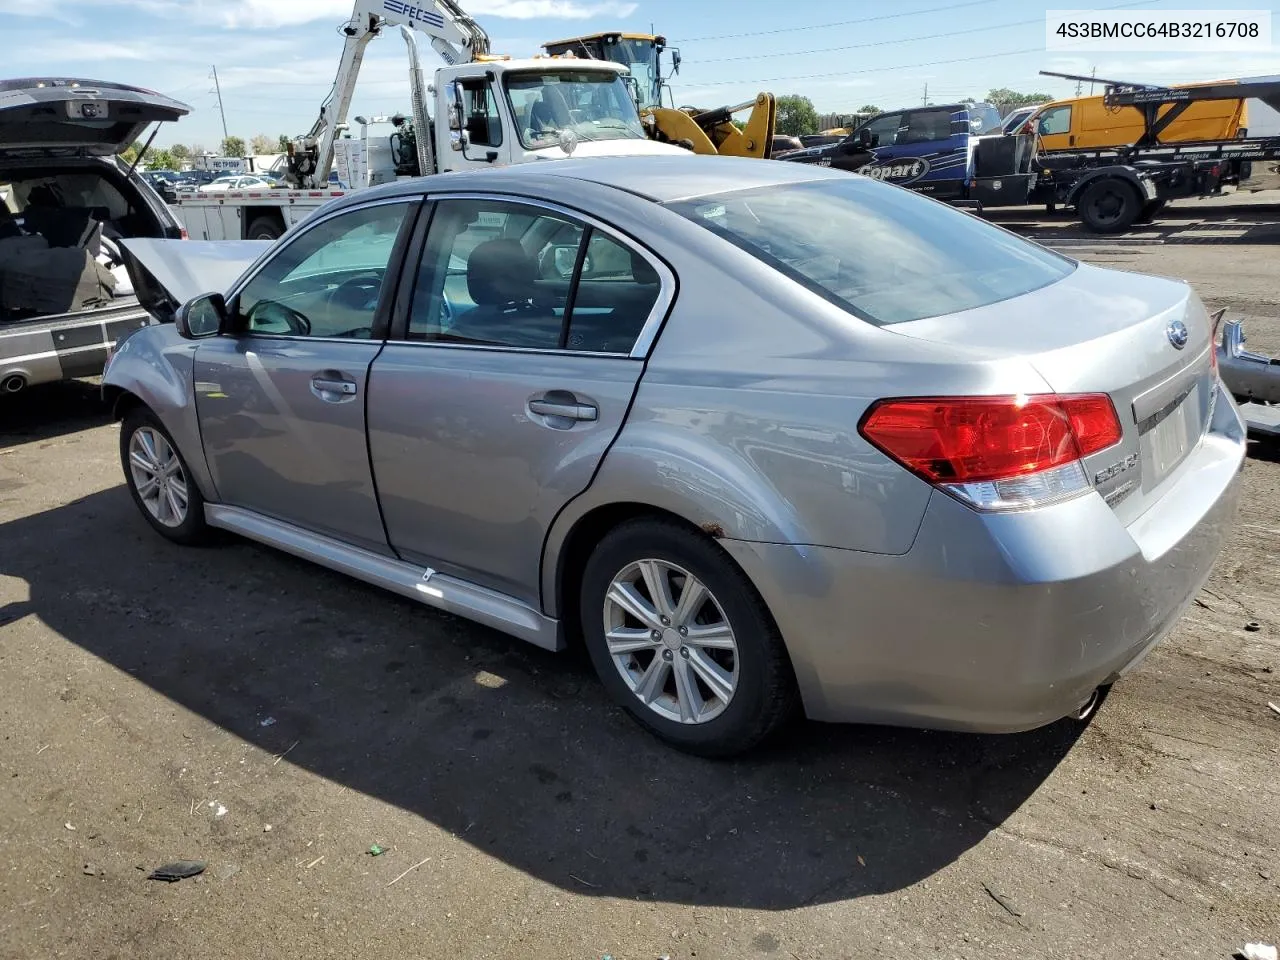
{"points": [[454, 35]]}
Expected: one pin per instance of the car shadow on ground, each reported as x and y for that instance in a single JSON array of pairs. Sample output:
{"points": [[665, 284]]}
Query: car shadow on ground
{"points": [[51, 410], [513, 749]]}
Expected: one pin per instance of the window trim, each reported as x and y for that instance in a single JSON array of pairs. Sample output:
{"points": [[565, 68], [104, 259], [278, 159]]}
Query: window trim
{"points": [[403, 245], [667, 282]]}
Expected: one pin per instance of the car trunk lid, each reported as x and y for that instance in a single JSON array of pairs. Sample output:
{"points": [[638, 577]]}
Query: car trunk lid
{"points": [[66, 117], [1144, 341]]}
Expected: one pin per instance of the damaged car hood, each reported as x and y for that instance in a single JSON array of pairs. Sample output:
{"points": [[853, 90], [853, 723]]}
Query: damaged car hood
{"points": [[168, 273]]}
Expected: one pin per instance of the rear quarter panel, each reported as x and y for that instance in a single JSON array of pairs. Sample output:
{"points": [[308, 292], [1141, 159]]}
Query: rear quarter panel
{"points": [[745, 420]]}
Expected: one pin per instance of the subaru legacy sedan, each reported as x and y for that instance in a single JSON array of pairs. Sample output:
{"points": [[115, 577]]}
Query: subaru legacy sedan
{"points": [[767, 438]]}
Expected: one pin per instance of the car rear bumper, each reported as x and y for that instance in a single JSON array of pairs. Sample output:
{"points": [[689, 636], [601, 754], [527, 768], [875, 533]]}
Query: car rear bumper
{"points": [[999, 623], [48, 349]]}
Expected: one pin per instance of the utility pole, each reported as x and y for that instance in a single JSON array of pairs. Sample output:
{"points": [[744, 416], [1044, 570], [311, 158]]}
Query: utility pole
{"points": [[925, 101], [1078, 88], [217, 88], [1092, 73]]}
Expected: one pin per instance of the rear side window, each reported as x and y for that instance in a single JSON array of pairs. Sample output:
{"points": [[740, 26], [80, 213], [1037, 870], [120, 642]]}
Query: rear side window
{"points": [[881, 252]]}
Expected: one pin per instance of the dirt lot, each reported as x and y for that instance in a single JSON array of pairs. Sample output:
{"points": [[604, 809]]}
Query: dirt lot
{"points": [[236, 706]]}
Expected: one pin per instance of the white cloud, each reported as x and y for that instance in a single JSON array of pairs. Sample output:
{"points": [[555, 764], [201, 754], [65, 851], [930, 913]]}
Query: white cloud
{"points": [[549, 9], [277, 13]]}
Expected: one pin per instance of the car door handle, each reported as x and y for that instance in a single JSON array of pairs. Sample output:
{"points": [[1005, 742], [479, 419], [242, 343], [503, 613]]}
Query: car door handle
{"points": [[562, 403], [333, 389]]}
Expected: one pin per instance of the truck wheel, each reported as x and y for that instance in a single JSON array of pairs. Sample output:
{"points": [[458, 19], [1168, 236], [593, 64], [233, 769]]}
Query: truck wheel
{"points": [[1150, 211], [1109, 205], [267, 227]]}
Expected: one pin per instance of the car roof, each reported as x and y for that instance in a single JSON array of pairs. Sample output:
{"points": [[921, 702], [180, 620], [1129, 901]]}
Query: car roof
{"points": [[659, 178]]}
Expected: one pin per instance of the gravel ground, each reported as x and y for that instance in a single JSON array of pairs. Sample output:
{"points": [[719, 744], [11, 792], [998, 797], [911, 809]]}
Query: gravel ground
{"points": [[234, 705]]}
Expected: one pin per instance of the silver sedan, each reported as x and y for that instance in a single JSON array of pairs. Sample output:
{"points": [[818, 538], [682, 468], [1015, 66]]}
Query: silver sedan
{"points": [[766, 438]]}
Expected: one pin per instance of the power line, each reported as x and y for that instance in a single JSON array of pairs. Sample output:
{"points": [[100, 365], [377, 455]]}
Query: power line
{"points": [[886, 43], [837, 23]]}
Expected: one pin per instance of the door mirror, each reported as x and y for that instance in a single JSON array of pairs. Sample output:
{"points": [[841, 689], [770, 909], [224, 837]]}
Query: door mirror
{"points": [[453, 94], [203, 316], [867, 139], [560, 259]]}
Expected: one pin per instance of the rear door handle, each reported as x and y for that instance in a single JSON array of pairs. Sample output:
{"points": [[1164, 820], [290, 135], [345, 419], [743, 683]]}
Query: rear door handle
{"points": [[562, 403]]}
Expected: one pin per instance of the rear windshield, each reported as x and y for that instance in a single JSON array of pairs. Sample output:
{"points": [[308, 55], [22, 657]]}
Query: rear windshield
{"points": [[881, 252]]}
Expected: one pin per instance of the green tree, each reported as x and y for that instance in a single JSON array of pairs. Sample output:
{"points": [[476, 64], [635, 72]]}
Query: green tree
{"points": [[130, 153], [1012, 98], [796, 116], [283, 143], [180, 151], [161, 160], [261, 144], [233, 147], [870, 109]]}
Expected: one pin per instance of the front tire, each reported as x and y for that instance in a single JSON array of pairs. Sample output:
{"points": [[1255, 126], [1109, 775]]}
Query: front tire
{"points": [[682, 641], [159, 480]]}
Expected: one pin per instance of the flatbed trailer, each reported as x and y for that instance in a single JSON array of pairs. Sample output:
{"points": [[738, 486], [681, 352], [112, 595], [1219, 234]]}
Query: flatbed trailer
{"points": [[1113, 188]]}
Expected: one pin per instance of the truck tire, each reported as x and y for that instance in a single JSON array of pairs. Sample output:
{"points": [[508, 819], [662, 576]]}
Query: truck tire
{"points": [[267, 226], [1109, 205], [1150, 211]]}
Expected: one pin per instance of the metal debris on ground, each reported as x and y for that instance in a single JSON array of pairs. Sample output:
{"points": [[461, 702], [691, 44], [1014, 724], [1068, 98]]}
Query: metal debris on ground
{"points": [[1273, 706], [178, 870], [1253, 626], [1002, 900], [1258, 951]]}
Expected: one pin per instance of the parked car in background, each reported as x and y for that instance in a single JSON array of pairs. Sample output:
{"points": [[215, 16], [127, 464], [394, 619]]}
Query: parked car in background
{"points": [[68, 202], [782, 144], [163, 181], [190, 180], [236, 182], [763, 436]]}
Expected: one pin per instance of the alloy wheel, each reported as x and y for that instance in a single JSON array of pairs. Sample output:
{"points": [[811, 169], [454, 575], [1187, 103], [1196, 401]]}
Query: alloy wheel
{"points": [[671, 642], [158, 476]]}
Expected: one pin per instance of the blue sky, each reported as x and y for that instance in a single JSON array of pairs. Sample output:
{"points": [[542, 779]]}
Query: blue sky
{"points": [[276, 58]]}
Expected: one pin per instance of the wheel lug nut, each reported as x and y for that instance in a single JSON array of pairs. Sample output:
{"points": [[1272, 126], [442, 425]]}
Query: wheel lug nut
{"points": [[666, 621], [655, 634], [666, 655], [684, 652], [684, 631]]}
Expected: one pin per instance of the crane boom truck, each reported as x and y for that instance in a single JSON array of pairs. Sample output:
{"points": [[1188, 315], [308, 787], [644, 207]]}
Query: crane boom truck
{"points": [[488, 110]]}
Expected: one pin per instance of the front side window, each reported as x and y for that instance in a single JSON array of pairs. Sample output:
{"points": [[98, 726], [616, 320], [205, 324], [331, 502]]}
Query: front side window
{"points": [[882, 253], [1057, 120], [926, 126], [592, 105], [329, 281], [480, 110], [883, 129], [505, 274]]}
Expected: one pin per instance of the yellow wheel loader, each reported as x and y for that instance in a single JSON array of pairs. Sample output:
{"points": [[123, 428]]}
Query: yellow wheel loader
{"points": [[700, 130]]}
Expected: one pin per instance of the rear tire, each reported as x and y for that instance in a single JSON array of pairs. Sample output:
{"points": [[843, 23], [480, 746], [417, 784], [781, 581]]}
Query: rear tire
{"points": [[713, 679], [1109, 205], [159, 480], [267, 227]]}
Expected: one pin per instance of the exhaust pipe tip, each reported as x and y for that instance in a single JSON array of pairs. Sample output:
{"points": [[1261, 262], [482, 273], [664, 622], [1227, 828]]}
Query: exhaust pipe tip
{"points": [[13, 383], [1090, 706]]}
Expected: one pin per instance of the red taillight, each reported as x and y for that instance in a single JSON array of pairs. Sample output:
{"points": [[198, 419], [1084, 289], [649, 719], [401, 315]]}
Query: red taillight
{"points": [[964, 440]]}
